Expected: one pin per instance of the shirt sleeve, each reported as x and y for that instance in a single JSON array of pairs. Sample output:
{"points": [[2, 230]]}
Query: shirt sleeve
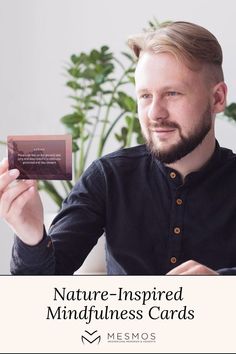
{"points": [[73, 233], [32, 259], [227, 271]]}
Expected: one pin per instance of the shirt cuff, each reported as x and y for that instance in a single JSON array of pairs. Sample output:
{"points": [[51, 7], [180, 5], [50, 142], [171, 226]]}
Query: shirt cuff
{"points": [[37, 259]]}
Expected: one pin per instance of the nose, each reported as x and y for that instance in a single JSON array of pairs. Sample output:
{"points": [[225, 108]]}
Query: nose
{"points": [[157, 110]]}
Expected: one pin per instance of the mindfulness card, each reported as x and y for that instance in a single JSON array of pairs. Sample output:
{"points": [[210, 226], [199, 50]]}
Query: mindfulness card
{"points": [[46, 157]]}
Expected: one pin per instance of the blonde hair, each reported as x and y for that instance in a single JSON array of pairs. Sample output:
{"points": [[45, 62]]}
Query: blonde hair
{"points": [[188, 42]]}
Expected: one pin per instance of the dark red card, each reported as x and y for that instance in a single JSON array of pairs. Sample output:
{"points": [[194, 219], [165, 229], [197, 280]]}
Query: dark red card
{"points": [[47, 157]]}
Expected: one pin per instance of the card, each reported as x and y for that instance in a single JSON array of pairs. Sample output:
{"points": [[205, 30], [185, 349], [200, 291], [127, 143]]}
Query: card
{"points": [[46, 157]]}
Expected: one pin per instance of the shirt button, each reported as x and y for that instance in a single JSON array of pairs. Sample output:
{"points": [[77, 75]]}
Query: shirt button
{"points": [[173, 260], [177, 230], [172, 175], [179, 201]]}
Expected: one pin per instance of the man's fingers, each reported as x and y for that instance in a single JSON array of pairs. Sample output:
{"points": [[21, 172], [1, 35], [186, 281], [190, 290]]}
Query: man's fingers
{"points": [[200, 269], [182, 267], [3, 165], [11, 194], [6, 178], [18, 204], [195, 269], [192, 268]]}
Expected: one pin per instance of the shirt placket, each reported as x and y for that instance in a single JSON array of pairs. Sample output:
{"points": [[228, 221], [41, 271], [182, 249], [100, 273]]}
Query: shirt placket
{"points": [[176, 230]]}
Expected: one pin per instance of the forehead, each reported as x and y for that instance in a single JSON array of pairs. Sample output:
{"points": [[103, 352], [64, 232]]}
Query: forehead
{"points": [[164, 69]]}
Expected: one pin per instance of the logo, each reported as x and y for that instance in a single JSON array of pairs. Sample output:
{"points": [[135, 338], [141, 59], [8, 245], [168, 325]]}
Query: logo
{"points": [[90, 337], [131, 337]]}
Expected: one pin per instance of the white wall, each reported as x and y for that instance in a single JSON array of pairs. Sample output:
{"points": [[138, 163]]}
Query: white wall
{"points": [[38, 36]]}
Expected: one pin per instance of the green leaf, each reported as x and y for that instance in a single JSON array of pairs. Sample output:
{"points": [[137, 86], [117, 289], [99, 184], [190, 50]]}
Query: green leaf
{"points": [[128, 120], [104, 48], [76, 98], [107, 92], [107, 57], [108, 69], [131, 79], [75, 59], [72, 118], [230, 111], [94, 56], [124, 132], [130, 70], [74, 85], [118, 137], [99, 68], [94, 102], [75, 146], [110, 80], [88, 74], [140, 139], [137, 127], [75, 132], [75, 72], [126, 102], [84, 59], [99, 78]]}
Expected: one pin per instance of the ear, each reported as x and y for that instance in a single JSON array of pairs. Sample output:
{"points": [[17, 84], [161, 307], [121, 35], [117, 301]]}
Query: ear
{"points": [[219, 97]]}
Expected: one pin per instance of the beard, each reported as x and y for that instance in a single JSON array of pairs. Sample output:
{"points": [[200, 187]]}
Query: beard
{"points": [[185, 145]]}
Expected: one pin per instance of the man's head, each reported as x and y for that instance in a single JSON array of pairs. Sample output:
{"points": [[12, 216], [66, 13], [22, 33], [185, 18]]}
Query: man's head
{"points": [[180, 88]]}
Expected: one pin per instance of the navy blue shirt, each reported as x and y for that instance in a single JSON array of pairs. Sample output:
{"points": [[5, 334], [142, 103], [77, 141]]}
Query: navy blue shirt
{"points": [[153, 221]]}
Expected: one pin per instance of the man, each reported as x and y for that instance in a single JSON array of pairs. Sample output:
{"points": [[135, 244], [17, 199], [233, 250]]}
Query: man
{"points": [[166, 207]]}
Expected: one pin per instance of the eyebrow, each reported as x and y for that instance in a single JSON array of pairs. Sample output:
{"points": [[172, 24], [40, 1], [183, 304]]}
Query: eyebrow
{"points": [[172, 87], [142, 91]]}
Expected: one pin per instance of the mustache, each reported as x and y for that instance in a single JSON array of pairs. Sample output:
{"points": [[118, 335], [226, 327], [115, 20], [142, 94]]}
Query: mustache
{"points": [[163, 124]]}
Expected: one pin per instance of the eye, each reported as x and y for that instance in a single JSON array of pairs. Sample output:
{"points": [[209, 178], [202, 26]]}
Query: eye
{"points": [[146, 96], [172, 93]]}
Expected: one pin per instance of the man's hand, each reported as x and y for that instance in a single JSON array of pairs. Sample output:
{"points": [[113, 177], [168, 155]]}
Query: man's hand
{"points": [[20, 205], [192, 268]]}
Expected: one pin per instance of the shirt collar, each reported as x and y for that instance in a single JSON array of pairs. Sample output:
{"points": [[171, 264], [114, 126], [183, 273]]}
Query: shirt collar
{"points": [[175, 179]]}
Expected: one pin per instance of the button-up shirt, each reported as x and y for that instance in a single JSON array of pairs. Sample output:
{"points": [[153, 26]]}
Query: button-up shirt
{"points": [[152, 219]]}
